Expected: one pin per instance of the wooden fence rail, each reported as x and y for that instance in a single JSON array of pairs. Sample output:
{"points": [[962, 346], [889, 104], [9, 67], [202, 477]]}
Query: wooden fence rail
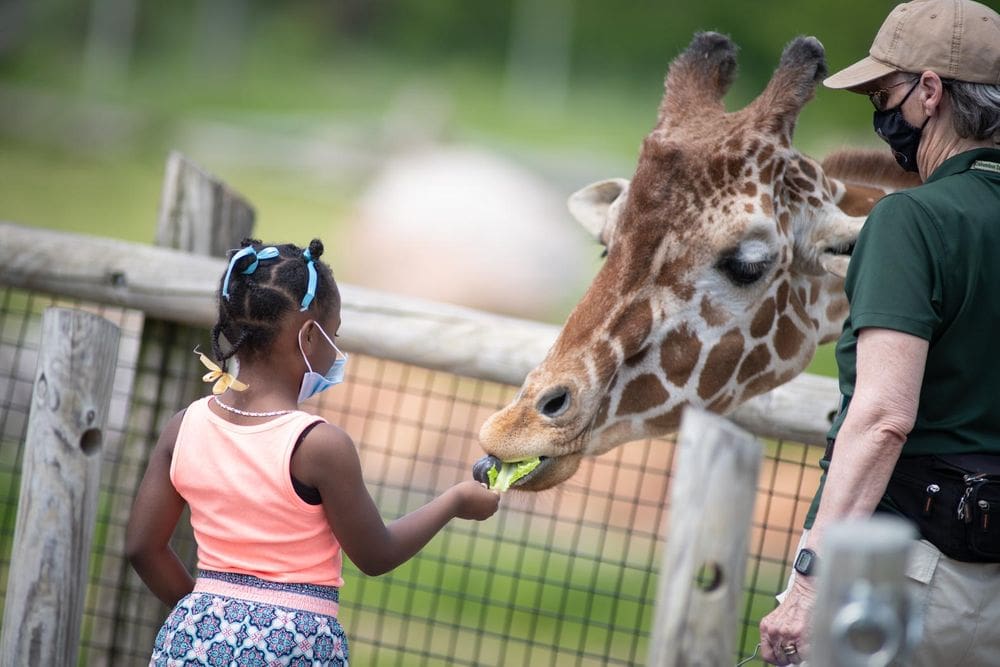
{"points": [[179, 286]]}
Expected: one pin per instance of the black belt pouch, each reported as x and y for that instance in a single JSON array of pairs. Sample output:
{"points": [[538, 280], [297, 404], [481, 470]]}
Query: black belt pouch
{"points": [[952, 506]]}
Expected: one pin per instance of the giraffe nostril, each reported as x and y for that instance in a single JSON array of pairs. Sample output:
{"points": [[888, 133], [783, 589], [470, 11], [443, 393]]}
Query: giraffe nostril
{"points": [[554, 402]]}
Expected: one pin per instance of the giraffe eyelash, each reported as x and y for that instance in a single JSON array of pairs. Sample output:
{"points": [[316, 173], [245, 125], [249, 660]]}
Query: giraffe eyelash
{"points": [[742, 272]]}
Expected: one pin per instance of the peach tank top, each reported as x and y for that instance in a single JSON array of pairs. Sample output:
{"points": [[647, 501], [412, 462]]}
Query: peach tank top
{"points": [[245, 513]]}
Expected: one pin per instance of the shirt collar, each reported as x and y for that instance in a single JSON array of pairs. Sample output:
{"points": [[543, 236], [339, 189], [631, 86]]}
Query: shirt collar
{"points": [[956, 164]]}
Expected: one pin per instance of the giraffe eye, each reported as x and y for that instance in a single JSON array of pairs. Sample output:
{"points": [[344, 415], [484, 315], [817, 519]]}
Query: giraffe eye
{"points": [[742, 272]]}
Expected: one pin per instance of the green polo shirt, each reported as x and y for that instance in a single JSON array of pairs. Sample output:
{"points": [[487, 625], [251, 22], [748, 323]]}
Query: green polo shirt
{"points": [[927, 263]]}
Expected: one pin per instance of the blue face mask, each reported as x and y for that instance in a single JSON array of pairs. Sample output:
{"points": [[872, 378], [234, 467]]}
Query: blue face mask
{"points": [[312, 382]]}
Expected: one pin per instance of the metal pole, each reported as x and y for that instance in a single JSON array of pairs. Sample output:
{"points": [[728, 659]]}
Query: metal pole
{"points": [[864, 615]]}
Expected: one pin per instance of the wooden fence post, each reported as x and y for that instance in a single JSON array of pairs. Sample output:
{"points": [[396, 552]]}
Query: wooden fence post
{"points": [[864, 617], [60, 481], [704, 562], [198, 214]]}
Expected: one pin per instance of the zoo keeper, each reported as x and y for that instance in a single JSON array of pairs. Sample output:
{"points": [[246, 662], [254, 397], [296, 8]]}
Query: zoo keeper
{"points": [[918, 433]]}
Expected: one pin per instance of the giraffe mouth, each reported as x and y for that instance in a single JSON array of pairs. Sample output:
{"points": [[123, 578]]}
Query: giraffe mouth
{"points": [[545, 463], [846, 249], [480, 468], [552, 470]]}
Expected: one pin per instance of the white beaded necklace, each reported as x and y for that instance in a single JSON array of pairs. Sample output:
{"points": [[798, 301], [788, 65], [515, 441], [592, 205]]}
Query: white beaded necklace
{"points": [[248, 413]]}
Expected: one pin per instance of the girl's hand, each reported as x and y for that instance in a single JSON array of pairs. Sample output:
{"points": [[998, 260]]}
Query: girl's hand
{"points": [[474, 500]]}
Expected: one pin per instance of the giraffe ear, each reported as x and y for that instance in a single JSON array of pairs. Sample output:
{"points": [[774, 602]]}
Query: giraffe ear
{"points": [[829, 243], [836, 264], [597, 204]]}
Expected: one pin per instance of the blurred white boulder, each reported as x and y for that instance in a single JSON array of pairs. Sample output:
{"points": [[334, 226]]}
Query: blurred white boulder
{"points": [[466, 226]]}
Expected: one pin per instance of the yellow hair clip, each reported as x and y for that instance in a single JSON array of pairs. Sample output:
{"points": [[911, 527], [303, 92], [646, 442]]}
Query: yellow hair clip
{"points": [[221, 378]]}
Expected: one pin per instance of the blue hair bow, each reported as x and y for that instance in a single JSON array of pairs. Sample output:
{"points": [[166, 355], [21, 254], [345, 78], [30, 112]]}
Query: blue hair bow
{"points": [[269, 252], [311, 287]]}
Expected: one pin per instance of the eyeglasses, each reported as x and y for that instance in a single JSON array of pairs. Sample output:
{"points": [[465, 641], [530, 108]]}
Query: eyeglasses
{"points": [[879, 97]]}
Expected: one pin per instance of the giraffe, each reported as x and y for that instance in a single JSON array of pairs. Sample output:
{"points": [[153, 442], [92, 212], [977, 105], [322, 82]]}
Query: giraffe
{"points": [[724, 265]]}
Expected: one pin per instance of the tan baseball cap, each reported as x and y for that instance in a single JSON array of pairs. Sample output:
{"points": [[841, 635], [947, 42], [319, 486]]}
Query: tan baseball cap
{"points": [[955, 39]]}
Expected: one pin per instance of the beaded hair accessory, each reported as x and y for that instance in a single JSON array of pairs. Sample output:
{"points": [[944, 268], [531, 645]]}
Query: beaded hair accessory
{"points": [[221, 378]]}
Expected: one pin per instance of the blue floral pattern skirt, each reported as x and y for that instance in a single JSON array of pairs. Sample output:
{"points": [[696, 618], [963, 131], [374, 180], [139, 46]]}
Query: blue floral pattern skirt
{"points": [[239, 620]]}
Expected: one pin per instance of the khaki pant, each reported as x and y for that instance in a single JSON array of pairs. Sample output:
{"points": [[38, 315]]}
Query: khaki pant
{"points": [[960, 607]]}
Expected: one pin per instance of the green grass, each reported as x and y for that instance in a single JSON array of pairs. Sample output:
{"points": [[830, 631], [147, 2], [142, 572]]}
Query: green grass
{"points": [[565, 610], [824, 362]]}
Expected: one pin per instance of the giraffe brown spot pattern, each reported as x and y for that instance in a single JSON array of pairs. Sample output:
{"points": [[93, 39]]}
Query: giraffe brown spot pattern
{"points": [[721, 404], [720, 364], [763, 320], [754, 363], [837, 310], [712, 315], [766, 205], [679, 355], [762, 383], [632, 327], [602, 412], [807, 169], [798, 300], [782, 296], [668, 421], [787, 339], [641, 394]]}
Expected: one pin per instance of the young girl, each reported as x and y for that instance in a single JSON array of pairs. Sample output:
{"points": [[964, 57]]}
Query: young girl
{"points": [[275, 493]]}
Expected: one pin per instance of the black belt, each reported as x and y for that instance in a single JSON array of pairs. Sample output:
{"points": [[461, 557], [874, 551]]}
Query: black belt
{"points": [[975, 462]]}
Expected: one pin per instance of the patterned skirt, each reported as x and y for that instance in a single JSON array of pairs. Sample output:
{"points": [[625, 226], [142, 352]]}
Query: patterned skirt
{"points": [[236, 619]]}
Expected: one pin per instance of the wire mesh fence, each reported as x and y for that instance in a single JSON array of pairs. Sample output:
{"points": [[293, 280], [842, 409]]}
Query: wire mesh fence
{"points": [[565, 577]]}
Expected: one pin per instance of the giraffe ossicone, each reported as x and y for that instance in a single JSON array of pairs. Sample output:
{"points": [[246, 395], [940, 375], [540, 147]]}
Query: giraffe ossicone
{"points": [[726, 252]]}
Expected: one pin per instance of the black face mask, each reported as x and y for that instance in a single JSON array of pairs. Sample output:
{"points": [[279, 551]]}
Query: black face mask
{"points": [[903, 138]]}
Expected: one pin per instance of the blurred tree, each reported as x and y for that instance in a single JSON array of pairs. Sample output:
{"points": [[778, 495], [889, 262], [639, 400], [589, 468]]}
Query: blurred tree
{"points": [[13, 16], [221, 29], [354, 18], [444, 29], [109, 44], [538, 59]]}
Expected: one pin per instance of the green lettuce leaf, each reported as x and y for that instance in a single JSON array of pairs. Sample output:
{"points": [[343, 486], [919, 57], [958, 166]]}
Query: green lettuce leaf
{"points": [[510, 472]]}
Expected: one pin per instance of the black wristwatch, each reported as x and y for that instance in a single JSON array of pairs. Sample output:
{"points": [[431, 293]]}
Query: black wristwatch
{"points": [[805, 562]]}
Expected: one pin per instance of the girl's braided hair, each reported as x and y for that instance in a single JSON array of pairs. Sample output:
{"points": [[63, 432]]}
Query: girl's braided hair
{"points": [[251, 314]]}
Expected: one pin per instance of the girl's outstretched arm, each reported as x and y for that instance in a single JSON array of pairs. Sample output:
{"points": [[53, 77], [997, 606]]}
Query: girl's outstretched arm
{"points": [[155, 513], [328, 460]]}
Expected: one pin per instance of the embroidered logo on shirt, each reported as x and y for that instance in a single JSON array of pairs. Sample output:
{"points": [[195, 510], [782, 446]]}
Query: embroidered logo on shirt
{"points": [[985, 165]]}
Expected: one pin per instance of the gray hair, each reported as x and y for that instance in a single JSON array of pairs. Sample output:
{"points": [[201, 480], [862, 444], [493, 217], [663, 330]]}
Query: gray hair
{"points": [[975, 109]]}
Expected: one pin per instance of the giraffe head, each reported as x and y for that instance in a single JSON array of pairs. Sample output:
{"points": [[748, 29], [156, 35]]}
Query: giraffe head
{"points": [[723, 271]]}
